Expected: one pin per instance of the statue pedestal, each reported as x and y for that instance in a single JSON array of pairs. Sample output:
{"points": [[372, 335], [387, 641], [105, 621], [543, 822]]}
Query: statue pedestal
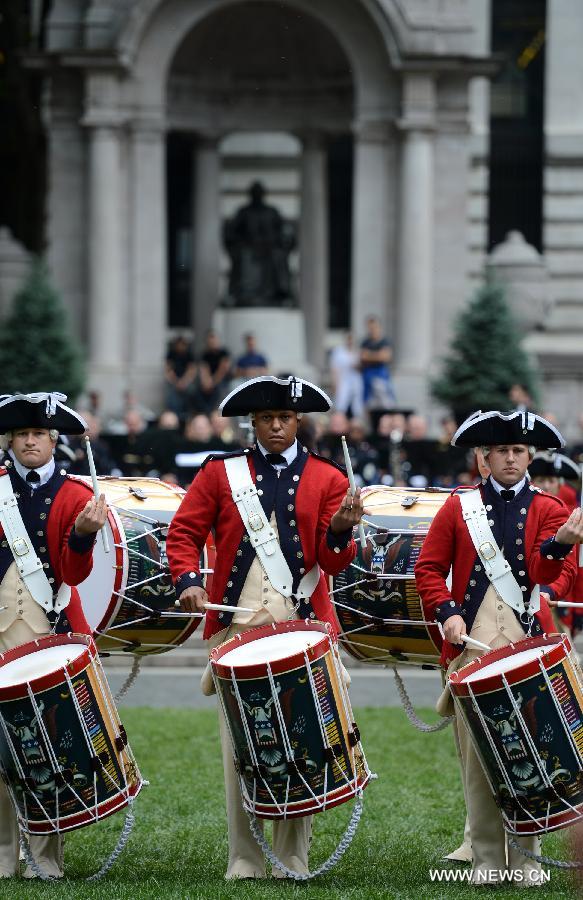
{"points": [[280, 335]]}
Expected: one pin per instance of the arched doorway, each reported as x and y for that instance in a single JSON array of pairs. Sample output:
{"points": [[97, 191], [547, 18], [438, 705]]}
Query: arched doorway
{"points": [[278, 106]]}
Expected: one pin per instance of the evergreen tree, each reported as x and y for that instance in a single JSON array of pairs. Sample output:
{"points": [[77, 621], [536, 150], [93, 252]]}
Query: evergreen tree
{"points": [[485, 358], [36, 351]]}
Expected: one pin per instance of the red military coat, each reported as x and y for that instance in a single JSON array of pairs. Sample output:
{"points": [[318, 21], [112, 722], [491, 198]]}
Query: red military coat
{"points": [[69, 555], [539, 559], [304, 497]]}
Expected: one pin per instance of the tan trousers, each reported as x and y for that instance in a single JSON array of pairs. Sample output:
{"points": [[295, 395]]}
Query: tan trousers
{"points": [[46, 849], [496, 625], [291, 839]]}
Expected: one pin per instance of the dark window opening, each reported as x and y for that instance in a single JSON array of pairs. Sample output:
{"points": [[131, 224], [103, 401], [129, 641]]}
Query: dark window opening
{"points": [[517, 121], [339, 229]]}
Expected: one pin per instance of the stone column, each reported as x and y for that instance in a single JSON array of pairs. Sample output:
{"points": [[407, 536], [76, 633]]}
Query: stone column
{"points": [[148, 252], [372, 211], [107, 302], [314, 246], [416, 238], [66, 202], [206, 235]]}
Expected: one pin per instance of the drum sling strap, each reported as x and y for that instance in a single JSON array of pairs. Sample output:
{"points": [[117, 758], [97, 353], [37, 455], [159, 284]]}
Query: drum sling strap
{"points": [[495, 565], [262, 536], [29, 566]]}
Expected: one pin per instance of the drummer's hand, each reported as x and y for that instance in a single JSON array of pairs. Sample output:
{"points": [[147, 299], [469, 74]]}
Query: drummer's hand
{"points": [[193, 599], [92, 517], [453, 628], [348, 514], [571, 532], [547, 597]]}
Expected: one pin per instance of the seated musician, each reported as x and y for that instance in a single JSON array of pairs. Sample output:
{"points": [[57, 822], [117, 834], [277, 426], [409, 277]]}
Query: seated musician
{"points": [[534, 534], [305, 500], [55, 521]]}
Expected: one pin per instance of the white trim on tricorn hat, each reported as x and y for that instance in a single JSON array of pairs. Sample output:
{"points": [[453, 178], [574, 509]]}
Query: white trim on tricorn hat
{"points": [[269, 392], [553, 464], [40, 410], [486, 429]]}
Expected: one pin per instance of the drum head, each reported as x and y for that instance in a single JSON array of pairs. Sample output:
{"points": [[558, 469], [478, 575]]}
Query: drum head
{"points": [[271, 648], [507, 664], [40, 662]]}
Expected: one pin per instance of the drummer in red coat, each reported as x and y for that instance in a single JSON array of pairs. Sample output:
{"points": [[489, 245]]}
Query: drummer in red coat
{"points": [[502, 540], [308, 510], [46, 543], [550, 471]]}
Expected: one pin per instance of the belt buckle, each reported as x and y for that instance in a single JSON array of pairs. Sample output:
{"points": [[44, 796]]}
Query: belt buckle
{"points": [[487, 551], [20, 547], [255, 523]]}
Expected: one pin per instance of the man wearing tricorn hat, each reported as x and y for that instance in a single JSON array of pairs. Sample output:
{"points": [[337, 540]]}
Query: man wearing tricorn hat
{"points": [[549, 471], [48, 523], [503, 540], [306, 510]]}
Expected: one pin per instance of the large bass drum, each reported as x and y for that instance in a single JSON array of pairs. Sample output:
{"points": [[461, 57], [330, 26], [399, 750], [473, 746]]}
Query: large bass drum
{"points": [[377, 603], [128, 599]]}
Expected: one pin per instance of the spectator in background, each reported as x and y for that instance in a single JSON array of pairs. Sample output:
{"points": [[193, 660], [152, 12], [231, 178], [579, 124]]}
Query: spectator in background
{"points": [[179, 376], [160, 444], [363, 455], [376, 354], [331, 441], [104, 461], [128, 448], [223, 431], [448, 461], [520, 398], [347, 378], [197, 443], [418, 453], [252, 363], [214, 372]]}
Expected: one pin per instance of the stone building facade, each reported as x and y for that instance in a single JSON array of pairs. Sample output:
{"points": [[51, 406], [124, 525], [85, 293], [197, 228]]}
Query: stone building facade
{"points": [[258, 87]]}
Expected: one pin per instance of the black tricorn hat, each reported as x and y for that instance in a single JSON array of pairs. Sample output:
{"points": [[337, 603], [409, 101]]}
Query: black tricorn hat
{"points": [[555, 465], [269, 392], [486, 429], [42, 410]]}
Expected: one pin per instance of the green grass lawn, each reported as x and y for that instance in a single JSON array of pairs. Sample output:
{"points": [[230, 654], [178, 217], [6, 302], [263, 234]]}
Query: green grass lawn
{"points": [[413, 814]]}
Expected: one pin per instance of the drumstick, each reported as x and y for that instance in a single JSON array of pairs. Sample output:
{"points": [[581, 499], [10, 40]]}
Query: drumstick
{"points": [[352, 484], [568, 604], [474, 643], [93, 473], [222, 607], [468, 640]]}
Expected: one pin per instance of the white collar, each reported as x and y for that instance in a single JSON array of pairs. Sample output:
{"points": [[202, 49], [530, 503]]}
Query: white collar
{"points": [[45, 471], [289, 454], [515, 487]]}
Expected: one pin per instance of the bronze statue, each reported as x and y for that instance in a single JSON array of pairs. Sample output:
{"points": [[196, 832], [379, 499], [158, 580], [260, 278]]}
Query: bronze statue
{"points": [[259, 241]]}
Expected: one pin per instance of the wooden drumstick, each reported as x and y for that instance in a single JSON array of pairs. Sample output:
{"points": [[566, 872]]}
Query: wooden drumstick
{"points": [[93, 473], [474, 643], [222, 607], [352, 484], [568, 604], [467, 639]]}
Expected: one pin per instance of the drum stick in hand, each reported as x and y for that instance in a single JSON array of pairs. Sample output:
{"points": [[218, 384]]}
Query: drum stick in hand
{"points": [[93, 473], [352, 484], [222, 607], [474, 643], [467, 639]]}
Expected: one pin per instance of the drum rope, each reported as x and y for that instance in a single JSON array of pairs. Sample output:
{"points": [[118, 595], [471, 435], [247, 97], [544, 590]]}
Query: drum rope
{"points": [[135, 671], [412, 715], [122, 841], [545, 860], [344, 844]]}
